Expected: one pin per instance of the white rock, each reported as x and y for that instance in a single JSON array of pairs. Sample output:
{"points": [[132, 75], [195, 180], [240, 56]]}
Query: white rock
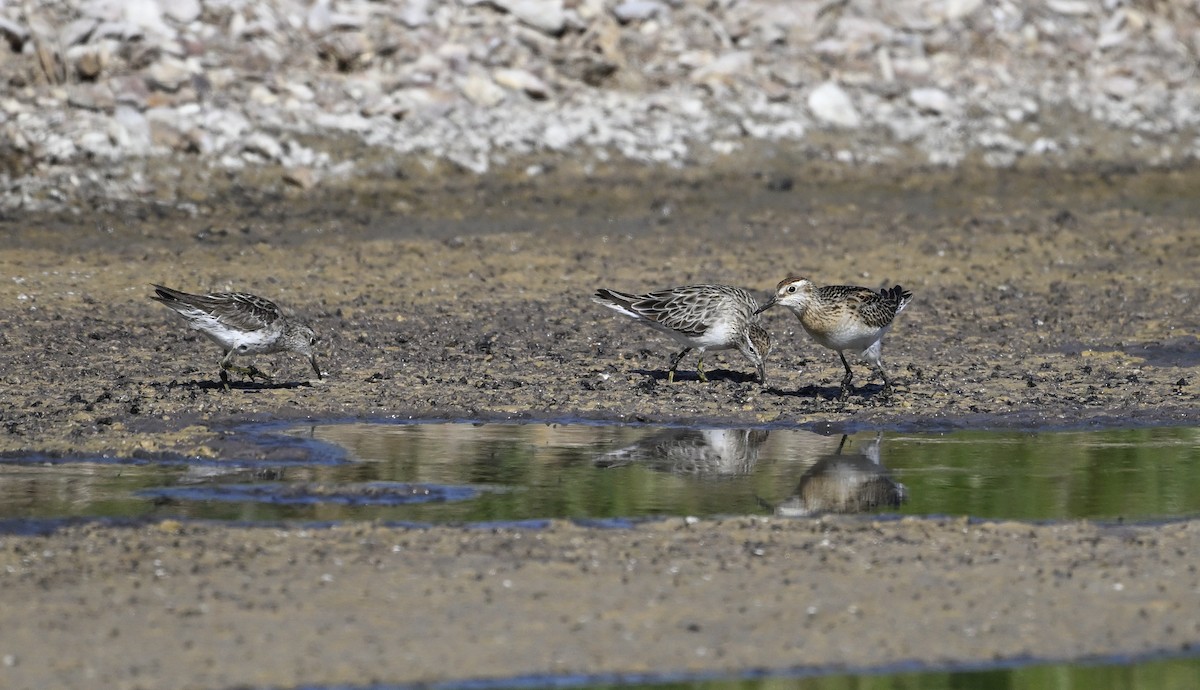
{"points": [[133, 130], [558, 137], [725, 68], [78, 31], [119, 31], [415, 13], [147, 15], [95, 143], [1120, 86], [58, 148], [481, 90], [520, 80], [931, 100], [319, 19], [168, 74], [264, 145], [957, 9], [543, 15], [300, 92], [1071, 8], [14, 33], [182, 11], [638, 10], [830, 104], [863, 33]]}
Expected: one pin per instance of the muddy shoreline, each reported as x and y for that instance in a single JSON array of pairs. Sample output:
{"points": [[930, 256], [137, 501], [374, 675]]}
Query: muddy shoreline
{"points": [[1043, 299]]}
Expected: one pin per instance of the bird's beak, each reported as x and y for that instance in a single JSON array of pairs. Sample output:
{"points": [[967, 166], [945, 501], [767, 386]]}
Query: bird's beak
{"points": [[762, 374], [766, 305], [312, 359]]}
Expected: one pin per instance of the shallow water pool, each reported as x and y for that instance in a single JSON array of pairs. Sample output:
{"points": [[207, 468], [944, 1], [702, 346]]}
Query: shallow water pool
{"points": [[508, 472]]}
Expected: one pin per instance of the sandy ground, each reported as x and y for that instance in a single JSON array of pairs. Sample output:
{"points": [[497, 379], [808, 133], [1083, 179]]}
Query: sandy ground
{"points": [[1042, 299], [173, 606]]}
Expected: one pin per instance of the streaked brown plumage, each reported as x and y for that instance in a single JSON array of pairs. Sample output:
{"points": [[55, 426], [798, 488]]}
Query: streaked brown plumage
{"points": [[844, 317]]}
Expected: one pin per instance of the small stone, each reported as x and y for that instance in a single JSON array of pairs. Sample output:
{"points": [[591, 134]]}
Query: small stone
{"points": [[167, 135], [544, 15], [130, 90], [117, 30], [14, 33], [302, 177], [97, 97], [78, 31], [832, 105], [168, 74], [133, 131], [931, 100], [319, 19], [1071, 8], [182, 11], [264, 145], [415, 13], [725, 69], [95, 144], [1120, 87], [147, 15], [348, 50], [481, 90], [520, 80], [88, 63], [958, 9], [638, 10]]}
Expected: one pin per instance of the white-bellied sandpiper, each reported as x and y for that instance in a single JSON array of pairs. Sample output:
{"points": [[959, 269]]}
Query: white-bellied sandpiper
{"points": [[699, 317], [242, 324]]}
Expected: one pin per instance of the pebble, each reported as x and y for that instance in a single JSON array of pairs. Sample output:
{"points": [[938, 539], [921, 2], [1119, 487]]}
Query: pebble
{"points": [[481, 90], [168, 74], [832, 105], [638, 10], [182, 11], [14, 33], [931, 100], [545, 15], [520, 80]]}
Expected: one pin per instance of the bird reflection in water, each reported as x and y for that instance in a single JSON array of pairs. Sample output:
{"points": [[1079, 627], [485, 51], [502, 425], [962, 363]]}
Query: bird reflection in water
{"points": [[696, 452], [845, 484]]}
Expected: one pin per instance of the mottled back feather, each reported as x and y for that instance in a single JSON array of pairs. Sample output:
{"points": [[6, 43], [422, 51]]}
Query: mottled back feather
{"points": [[877, 309], [239, 310], [689, 310]]}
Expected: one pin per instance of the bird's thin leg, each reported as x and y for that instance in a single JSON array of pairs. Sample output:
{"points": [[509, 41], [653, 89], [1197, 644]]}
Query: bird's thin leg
{"points": [[675, 363], [250, 371], [225, 369], [700, 369], [887, 383], [845, 392]]}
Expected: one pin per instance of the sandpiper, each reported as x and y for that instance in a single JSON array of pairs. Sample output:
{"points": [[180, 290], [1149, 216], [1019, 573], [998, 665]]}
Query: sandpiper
{"points": [[843, 317], [699, 317], [241, 324]]}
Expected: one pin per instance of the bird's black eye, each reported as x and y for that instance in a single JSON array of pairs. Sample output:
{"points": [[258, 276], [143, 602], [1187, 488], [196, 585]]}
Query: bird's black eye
{"points": [[791, 289]]}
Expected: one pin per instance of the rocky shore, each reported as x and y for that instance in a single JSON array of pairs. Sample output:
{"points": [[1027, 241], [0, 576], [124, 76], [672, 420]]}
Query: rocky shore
{"points": [[156, 99]]}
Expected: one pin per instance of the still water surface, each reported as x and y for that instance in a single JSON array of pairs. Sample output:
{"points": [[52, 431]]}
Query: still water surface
{"points": [[1158, 674], [504, 472]]}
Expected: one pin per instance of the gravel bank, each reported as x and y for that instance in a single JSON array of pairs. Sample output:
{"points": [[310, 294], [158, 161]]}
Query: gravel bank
{"points": [[156, 99]]}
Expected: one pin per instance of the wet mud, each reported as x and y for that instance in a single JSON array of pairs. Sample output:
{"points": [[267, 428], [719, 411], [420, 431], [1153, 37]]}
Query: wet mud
{"points": [[1042, 299]]}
